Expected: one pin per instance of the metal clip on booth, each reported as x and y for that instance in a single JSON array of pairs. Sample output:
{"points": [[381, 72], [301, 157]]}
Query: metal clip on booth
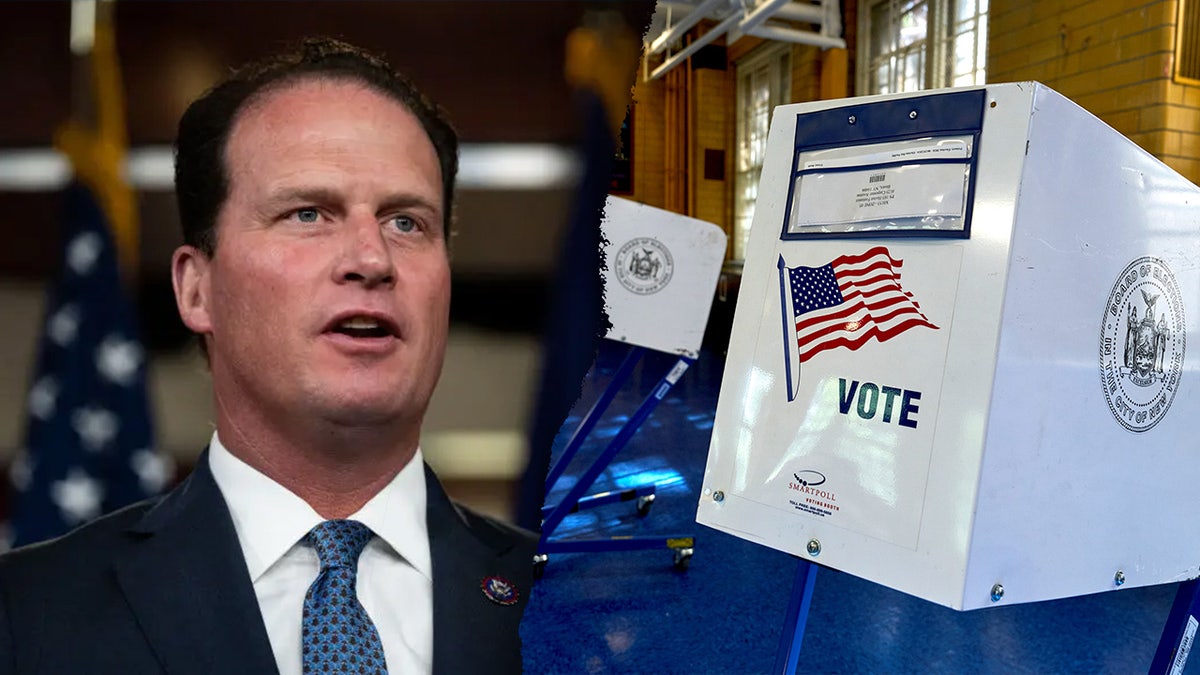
{"points": [[662, 271], [959, 311]]}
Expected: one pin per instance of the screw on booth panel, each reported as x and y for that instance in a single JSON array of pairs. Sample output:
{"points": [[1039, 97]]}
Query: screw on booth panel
{"points": [[814, 547], [1119, 578], [912, 114], [719, 496], [852, 119], [997, 592]]}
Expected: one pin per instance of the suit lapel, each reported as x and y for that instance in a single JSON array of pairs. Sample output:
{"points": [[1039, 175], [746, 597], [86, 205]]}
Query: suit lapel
{"points": [[187, 583], [472, 633]]}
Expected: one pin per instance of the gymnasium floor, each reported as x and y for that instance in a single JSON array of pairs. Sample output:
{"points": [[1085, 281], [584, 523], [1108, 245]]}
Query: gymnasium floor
{"points": [[633, 612]]}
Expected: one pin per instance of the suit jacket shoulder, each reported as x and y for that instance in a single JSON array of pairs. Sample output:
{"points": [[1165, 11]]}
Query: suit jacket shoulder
{"points": [[482, 576], [156, 587], [44, 590]]}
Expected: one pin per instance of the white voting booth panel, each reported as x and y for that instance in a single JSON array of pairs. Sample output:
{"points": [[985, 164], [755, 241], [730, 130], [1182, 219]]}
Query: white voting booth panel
{"points": [[662, 269], [964, 359]]}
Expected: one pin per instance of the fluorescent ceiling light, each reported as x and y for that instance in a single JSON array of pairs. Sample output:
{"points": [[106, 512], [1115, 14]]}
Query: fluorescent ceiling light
{"points": [[491, 166]]}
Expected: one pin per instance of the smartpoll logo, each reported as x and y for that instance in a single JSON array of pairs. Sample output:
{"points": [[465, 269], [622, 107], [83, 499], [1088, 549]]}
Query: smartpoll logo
{"points": [[843, 304], [812, 495]]}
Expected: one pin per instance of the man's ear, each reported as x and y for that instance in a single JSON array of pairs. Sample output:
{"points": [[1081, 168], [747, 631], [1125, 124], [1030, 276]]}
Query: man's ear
{"points": [[193, 293]]}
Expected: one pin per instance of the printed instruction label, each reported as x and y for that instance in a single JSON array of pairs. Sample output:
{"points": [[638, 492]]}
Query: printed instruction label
{"points": [[1185, 646], [676, 372], [913, 191]]}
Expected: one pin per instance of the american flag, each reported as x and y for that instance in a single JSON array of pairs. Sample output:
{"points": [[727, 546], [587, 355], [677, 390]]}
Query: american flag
{"points": [[89, 440], [846, 303]]}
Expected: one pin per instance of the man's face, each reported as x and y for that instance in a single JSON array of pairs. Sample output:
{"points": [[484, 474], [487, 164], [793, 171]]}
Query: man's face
{"points": [[328, 295]]}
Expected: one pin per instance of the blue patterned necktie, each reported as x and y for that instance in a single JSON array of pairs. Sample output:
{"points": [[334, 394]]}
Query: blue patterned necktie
{"points": [[338, 636]]}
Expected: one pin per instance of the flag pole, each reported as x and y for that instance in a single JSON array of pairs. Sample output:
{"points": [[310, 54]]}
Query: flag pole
{"points": [[94, 138], [789, 338]]}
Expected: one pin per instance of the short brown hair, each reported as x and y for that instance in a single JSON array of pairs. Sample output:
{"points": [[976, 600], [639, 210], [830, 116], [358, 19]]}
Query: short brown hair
{"points": [[201, 177]]}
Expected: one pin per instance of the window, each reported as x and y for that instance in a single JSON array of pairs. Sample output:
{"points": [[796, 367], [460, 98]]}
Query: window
{"points": [[922, 44], [764, 80], [1187, 43]]}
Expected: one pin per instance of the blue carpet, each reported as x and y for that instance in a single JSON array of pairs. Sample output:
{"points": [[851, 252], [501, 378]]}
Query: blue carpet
{"points": [[632, 612]]}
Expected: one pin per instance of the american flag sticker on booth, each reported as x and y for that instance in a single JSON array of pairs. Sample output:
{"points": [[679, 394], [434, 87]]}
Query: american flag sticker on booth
{"points": [[846, 303]]}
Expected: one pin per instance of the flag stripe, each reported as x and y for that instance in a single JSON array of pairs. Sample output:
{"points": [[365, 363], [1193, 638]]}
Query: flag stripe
{"points": [[870, 253], [851, 323], [853, 343], [817, 333], [873, 273], [844, 311], [890, 287], [856, 294]]}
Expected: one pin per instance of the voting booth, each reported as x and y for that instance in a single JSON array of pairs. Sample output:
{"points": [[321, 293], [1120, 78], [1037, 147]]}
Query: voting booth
{"points": [[660, 273], [963, 361]]}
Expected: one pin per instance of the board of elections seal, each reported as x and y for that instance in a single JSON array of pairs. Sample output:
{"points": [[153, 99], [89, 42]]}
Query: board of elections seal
{"points": [[644, 266], [1142, 344]]}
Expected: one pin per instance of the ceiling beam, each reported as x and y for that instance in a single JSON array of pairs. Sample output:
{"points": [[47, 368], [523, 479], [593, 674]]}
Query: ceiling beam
{"points": [[736, 20]]}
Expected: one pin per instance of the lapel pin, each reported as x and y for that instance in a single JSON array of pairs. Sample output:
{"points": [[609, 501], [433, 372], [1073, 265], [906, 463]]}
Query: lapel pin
{"points": [[499, 590]]}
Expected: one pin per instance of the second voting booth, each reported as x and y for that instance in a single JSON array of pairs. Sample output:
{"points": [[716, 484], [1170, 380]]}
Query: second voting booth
{"points": [[661, 271], [960, 364]]}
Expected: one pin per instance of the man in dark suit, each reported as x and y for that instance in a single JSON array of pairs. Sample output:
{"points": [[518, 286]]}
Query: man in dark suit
{"points": [[315, 191]]}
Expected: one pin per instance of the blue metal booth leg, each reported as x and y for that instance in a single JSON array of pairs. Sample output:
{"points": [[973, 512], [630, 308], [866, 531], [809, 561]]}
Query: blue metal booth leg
{"points": [[594, 414], [627, 431], [680, 544], [1179, 632], [788, 656]]}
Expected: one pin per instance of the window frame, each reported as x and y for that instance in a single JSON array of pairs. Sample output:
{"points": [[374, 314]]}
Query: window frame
{"points": [[938, 49], [769, 55], [1186, 69]]}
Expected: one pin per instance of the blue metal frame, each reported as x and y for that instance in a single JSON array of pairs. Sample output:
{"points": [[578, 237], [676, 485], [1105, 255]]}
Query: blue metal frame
{"points": [[787, 658], [575, 499], [610, 497], [615, 544], [594, 414], [1175, 632]]}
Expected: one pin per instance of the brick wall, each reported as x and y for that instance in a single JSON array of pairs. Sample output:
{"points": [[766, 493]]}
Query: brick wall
{"points": [[1113, 57], [1181, 138], [806, 74], [649, 150], [712, 131]]}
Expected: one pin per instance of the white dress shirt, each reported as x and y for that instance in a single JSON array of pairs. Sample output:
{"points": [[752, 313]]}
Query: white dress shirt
{"points": [[395, 572]]}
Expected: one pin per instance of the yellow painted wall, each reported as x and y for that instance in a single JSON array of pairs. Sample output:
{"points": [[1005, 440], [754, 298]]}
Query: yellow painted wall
{"points": [[712, 122], [649, 149], [1113, 57]]}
